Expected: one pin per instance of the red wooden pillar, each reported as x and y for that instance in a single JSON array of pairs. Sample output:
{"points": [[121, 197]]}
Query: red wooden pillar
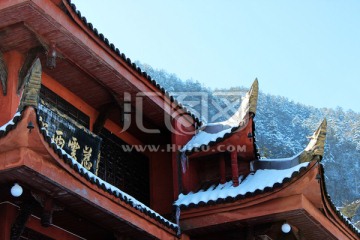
{"points": [[161, 187], [8, 215], [179, 137], [222, 169], [234, 169], [175, 165], [10, 102]]}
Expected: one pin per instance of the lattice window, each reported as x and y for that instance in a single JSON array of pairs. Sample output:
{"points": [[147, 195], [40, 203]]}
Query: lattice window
{"points": [[128, 171], [54, 100]]}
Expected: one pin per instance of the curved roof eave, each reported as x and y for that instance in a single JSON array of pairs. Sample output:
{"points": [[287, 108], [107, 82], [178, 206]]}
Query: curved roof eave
{"points": [[84, 173], [82, 21], [208, 136], [288, 176], [332, 209]]}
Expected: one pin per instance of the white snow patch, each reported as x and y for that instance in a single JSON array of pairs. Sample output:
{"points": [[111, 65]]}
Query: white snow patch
{"points": [[11, 122], [204, 138], [280, 159], [257, 181]]}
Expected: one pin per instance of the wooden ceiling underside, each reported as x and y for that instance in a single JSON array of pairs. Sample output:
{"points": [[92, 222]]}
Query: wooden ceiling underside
{"points": [[76, 215], [270, 225], [79, 67]]}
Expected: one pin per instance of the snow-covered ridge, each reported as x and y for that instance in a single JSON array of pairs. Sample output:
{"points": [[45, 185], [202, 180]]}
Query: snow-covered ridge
{"points": [[204, 138], [260, 180], [280, 159], [213, 132]]}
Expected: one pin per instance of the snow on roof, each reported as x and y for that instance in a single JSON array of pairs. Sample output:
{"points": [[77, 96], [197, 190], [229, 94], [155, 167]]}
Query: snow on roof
{"points": [[204, 138], [10, 123], [280, 159], [214, 132], [260, 180], [117, 192]]}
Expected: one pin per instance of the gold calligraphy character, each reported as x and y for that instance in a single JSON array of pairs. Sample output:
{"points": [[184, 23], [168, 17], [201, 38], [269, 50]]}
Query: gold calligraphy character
{"points": [[58, 139], [87, 151], [44, 125], [74, 146]]}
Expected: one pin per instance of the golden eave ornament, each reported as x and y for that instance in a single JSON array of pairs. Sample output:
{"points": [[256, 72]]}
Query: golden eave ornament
{"points": [[316, 146], [30, 96]]}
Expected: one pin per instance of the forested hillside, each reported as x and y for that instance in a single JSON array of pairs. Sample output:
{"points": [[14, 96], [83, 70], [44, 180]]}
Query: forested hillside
{"points": [[282, 127]]}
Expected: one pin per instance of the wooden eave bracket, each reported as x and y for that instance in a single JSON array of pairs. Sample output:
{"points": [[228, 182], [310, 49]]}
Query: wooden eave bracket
{"points": [[18, 226], [48, 207], [102, 117]]}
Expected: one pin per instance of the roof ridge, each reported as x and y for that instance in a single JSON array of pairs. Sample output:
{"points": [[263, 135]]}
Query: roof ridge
{"points": [[302, 167], [227, 128], [69, 5]]}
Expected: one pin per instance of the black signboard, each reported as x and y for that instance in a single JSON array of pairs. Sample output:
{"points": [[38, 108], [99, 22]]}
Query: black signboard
{"points": [[81, 144]]}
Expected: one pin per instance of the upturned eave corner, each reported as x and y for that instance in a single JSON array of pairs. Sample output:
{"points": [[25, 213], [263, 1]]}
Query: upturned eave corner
{"points": [[240, 124], [254, 94], [315, 148]]}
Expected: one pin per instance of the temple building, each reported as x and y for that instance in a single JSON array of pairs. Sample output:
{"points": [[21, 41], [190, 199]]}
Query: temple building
{"points": [[78, 125]]}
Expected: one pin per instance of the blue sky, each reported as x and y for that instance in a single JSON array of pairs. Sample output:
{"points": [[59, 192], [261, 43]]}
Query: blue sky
{"points": [[307, 51]]}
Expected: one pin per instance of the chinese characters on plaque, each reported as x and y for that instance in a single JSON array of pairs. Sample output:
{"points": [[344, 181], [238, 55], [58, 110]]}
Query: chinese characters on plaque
{"points": [[82, 145]]}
